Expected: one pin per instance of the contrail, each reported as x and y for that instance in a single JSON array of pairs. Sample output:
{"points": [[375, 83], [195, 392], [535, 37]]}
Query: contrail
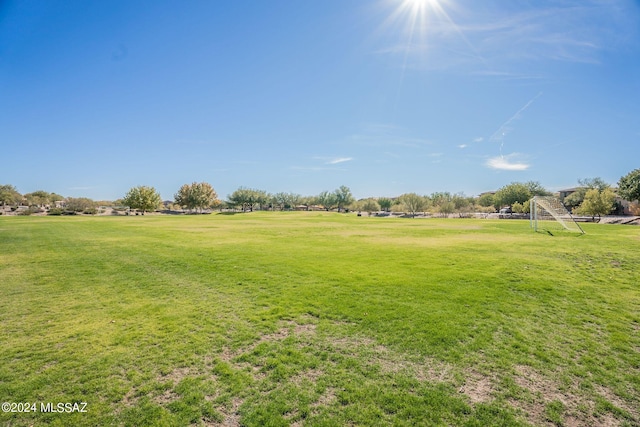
{"points": [[503, 130]]}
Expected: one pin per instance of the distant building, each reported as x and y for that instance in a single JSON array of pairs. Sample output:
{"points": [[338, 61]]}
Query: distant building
{"points": [[564, 193]]}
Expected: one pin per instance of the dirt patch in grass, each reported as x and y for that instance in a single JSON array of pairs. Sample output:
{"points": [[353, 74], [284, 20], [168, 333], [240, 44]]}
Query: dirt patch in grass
{"points": [[542, 392], [615, 400], [165, 398], [477, 387], [230, 414], [177, 375], [390, 361], [310, 375], [576, 409], [328, 397]]}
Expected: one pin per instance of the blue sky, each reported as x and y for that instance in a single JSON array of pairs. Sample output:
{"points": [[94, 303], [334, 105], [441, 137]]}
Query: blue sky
{"points": [[384, 96]]}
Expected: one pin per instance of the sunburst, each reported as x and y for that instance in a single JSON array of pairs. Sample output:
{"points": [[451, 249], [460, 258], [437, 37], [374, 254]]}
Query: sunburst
{"points": [[424, 30], [417, 18]]}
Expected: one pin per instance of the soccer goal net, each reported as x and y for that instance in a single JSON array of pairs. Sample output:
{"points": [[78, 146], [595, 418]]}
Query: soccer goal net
{"points": [[548, 213]]}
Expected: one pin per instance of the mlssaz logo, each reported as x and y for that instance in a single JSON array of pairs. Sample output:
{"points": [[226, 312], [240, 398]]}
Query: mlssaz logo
{"points": [[63, 407]]}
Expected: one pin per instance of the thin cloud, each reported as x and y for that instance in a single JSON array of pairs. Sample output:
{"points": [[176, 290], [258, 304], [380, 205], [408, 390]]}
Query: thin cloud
{"points": [[311, 168], [479, 139], [339, 160], [462, 146], [504, 163]]}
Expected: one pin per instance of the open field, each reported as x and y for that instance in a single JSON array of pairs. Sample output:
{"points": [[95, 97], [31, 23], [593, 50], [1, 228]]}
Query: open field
{"points": [[318, 319]]}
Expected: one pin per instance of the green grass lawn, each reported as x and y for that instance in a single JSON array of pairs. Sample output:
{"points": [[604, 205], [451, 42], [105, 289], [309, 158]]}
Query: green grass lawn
{"points": [[318, 319]]}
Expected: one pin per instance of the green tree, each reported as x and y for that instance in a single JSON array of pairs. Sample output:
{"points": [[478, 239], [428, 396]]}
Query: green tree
{"points": [[438, 198], [590, 183], [142, 198], [280, 200], [446, 208], [485, 200], [197, 196], [517, 207], [343, 197], [9, 195], [597, 202], [369, 205], [413, 203], [80, 204], [328, 200], [535, 189], [461, 202], [575, 199], [286, 200], [514, 192], [629, 186], [385, 203], [248, 198], [309, 201], [38, 198]]}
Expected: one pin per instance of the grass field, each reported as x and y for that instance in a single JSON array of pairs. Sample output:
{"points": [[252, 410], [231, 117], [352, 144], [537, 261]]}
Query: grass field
{"points": [[318, 319]]}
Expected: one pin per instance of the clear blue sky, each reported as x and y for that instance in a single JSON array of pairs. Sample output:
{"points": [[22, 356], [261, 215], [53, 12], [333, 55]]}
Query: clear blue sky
{"points": [[383, 96]]}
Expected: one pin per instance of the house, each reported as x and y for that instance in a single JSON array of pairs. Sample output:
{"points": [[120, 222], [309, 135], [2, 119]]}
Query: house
{"points": [[564, 193]]}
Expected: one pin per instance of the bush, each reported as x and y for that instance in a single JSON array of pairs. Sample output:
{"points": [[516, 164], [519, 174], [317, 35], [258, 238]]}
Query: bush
{"points": [[90, 211], [30, 211], [55, 211]]}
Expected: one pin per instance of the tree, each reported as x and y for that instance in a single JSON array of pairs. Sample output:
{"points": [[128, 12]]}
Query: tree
{"points": [[536, 189], [413, 203], [80, 204], [597, 202], [280, 200], [327, 199], [575, 199], [461, 202], [286, 200], [629, 186], [197, 196], [517, 207], [142, 198], [385, 203], [485, 200], [38, 198], [369, 205], [9, 195], [516, 192], [309, 201], [248, 198], [596, 182], [343, 197]]}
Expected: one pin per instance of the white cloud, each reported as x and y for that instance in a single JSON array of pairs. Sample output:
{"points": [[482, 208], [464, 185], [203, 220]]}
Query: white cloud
{"points": [[339, 160], [462, 146], [504, 163], [479, 139]]}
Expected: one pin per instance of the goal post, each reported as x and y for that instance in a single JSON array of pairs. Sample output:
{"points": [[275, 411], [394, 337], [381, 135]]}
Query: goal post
{"points": [[548, 212]]}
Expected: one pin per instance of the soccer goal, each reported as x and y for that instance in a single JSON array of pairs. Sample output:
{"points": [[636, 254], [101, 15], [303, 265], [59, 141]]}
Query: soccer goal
{"points": [[548, 213]]}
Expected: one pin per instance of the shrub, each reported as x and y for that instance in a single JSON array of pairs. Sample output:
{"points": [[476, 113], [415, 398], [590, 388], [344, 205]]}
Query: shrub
{"points": [[31, 210], [55, 211]]}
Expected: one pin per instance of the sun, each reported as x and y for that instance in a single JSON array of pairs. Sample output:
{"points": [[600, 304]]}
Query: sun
{"points": [[416, 19]]}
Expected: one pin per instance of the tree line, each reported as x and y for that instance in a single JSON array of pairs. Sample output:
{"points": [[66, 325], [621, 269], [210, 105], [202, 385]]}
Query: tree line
{"points": [[593, 197]]}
